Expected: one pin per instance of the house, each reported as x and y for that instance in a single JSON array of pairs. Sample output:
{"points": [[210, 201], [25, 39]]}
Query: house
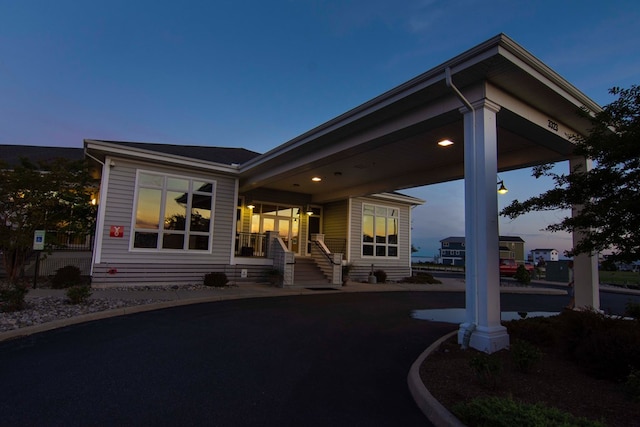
{"points": [[541, 256], [171, 216], [453, 252]]}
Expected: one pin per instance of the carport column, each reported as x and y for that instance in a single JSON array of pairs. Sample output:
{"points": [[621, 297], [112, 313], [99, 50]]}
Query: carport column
{"points": [[482, 329], [585, 267]]}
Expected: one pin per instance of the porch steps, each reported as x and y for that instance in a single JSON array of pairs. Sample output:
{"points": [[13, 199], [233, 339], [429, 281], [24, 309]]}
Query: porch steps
{"points": [[308, 274]]}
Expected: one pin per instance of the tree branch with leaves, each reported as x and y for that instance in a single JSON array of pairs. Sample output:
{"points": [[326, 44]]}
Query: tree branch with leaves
{"points": [[608, 195], [53, 195]]}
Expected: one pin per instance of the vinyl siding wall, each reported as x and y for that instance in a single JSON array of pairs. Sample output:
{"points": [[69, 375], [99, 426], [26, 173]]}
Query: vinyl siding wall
{"points": [[396, 268], [119, 264]]}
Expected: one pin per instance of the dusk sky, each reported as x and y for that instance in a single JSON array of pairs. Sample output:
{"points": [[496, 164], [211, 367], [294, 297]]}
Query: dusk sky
{"points": [[255, 74]]}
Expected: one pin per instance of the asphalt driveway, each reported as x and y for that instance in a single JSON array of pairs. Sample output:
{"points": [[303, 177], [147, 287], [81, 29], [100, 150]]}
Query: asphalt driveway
{"points": [[327, 359], [319, 360]]}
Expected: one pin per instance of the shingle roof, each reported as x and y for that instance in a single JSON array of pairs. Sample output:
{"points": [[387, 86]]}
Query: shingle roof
{"points": [[224, 155], [11, 154]]}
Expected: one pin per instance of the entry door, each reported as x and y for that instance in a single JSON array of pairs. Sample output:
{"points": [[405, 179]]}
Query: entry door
{"points": [[286, 228]]}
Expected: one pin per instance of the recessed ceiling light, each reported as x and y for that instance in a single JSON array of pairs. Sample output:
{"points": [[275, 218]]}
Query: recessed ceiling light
{"points": [[445, 143], [316, 179]]}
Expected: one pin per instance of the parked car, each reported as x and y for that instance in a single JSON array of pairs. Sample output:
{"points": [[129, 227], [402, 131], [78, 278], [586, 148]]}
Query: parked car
{"points": [[508, 267]]}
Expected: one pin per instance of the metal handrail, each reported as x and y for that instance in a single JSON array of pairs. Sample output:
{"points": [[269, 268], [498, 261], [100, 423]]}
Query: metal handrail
{"points": [[326, 254]]}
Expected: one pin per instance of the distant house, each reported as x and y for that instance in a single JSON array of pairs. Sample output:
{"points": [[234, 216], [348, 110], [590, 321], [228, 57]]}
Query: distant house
{"points": [[544, 255], [452, 249]]}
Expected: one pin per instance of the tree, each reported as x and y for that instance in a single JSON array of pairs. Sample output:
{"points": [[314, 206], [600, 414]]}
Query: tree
{"points": [[609, 193], [48, 196]]}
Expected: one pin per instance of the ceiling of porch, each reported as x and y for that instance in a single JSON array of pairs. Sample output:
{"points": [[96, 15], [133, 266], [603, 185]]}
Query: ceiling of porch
{"points": [[390, 142]]}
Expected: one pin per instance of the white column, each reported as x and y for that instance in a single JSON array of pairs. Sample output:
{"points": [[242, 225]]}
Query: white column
{"points": [[482, 329], [586, 280]]}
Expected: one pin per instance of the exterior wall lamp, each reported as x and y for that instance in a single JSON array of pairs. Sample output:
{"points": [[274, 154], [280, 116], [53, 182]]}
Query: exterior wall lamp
{"points": [[502, 189]]}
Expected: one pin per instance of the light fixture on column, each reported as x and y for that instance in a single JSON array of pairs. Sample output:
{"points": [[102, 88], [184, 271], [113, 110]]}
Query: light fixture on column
{"points": [[502, 189]]}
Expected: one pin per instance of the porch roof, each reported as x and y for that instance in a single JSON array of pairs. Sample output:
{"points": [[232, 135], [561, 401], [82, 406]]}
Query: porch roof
{"points": [[390, 142]]}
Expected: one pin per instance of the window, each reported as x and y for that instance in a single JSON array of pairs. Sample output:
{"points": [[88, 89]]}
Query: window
{"points": [[379, 231], [173, 213]]}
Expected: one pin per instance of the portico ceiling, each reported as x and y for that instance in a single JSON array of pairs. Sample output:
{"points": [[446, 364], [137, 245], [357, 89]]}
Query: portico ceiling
{"points": [[390, 142]]}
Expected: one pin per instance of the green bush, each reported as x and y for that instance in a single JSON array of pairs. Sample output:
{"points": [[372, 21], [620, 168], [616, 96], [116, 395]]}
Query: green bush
{"points": [[381, 276], [540, 331], [216, 279], [632, 309], [522, 275], [12, 297], [632, 385], [78, 294], [603, 346], [487, 368], [524, 355], [66, 277], [421, 278], [499, 412]]}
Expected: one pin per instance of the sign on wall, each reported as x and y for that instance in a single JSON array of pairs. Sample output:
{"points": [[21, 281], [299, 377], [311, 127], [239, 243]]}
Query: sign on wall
{"points": [[116, 231]]}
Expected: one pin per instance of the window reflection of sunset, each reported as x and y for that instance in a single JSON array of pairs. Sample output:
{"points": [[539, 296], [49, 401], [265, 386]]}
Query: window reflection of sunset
{"points": [[148, 211], [173, 211]]}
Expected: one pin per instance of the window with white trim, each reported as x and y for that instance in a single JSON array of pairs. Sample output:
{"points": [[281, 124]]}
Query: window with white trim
{"points": [[173, 213], [379, 231]]}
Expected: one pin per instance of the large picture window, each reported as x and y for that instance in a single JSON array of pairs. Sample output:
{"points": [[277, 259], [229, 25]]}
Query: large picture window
{"points": [[173, 213], [379, 231]]}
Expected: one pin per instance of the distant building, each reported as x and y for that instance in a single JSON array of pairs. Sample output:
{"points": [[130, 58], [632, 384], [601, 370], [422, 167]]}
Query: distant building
{"points": [[452, 249], [544, 255]]}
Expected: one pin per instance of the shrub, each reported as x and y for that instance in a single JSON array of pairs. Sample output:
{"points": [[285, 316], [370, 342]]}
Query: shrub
{"points": [[12, 297], [499, 411], [216, 279], [604, 347], [632, 309], [421, 278], [632, 385], [525, 355], [522, 275], [66, 277], [487, 368], [78, 294], [275, 276], [539, 331], [381, 276]]}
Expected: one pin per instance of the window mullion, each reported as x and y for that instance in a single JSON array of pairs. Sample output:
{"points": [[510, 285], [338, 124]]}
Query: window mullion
{"points": [[187, 225], [163, 202]]}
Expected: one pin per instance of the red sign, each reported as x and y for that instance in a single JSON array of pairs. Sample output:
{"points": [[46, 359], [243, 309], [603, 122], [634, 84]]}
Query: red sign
{"points": [[116, 231]]}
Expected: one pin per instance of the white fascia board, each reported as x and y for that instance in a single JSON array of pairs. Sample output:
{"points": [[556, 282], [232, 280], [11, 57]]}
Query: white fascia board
{"points": [[400, 198], [147, 155]]}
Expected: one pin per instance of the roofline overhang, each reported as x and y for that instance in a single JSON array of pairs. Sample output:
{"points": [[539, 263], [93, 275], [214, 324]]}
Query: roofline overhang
{"points": [[501, 44], [111, 149], [396, 197]]}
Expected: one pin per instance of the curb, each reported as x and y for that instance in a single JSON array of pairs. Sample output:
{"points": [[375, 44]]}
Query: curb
{"points": [[430, 407]]}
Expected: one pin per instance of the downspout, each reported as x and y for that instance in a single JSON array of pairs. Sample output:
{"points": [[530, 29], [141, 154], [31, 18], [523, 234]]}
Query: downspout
{"points": [[447, 73], [97, 241]]}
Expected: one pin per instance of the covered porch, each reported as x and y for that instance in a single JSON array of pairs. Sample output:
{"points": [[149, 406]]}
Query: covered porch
{"points": [[501, 108]]}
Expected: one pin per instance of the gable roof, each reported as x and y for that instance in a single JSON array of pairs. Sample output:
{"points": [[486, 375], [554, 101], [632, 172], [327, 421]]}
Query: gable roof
{"points": [[223, 155], [11, 154]]}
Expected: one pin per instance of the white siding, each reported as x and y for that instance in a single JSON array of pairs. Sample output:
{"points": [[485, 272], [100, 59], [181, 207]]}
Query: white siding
{"points": [[396, 268], [157, 265]]}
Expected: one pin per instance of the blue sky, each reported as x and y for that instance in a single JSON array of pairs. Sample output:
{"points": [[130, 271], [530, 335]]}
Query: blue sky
{"points": [[255, 74]]}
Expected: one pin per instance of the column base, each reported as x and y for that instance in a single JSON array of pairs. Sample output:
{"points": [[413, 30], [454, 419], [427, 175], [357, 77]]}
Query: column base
{"points": [[483, 338]]}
